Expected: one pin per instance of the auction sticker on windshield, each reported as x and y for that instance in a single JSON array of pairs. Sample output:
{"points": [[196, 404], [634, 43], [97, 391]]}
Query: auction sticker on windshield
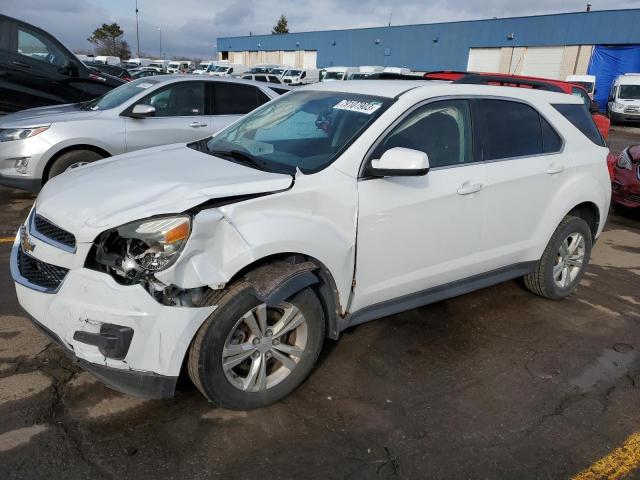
{"points": [[357, 106], [145, 85]]}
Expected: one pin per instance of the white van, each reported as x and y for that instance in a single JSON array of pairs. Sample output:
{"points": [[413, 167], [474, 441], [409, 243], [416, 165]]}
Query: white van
{"points": [[339, 73], [303, 76], [203, 67], [159, 65], [398, 70], [586, 81], [107, 60], [178, 66], [623, 104], [137, 62], [365, 71], [229, 70]]}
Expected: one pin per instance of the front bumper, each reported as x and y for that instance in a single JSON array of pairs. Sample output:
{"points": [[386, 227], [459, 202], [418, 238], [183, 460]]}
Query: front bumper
{"points": [[86, 300], [625, 117], [625, 188], [32, 148]]}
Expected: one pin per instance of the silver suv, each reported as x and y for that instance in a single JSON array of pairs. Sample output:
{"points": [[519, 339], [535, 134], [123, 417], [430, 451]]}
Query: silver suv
{"points": [[40, 143]]}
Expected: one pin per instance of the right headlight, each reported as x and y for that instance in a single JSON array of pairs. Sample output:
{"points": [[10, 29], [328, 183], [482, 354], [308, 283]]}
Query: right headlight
{"points": [[140, 249], [624, 161]]}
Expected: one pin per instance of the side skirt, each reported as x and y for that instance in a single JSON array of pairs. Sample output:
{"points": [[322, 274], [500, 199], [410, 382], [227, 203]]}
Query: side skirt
{"points": [[436, 294]]}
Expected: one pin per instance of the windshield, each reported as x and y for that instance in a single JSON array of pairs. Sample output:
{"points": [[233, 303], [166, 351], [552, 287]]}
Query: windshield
{"points": [[629, 92], [293, 73], [358, 76], [203, 66], [259, 70], [174, 65], [277, 71], [588, 86], [305, 130], [118, 96], [333, 76]]}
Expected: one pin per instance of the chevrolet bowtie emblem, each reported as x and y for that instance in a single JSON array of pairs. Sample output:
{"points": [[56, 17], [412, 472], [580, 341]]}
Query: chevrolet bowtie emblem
{"points": [[25, 242]]}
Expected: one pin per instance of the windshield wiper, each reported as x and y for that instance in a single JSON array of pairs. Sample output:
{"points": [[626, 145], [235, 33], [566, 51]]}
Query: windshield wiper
{"points": [[240, 157]]}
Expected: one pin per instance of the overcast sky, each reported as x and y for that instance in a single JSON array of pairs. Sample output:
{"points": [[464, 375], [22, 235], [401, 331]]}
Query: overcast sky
{"points": [[190, 27]]}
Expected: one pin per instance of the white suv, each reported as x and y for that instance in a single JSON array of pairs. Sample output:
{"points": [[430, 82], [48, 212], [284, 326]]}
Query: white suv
{"points": [[330, 206]]}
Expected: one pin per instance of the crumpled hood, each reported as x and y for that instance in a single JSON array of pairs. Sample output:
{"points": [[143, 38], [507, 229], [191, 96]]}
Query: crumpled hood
{"points": [[46, 115], [155, 181]]}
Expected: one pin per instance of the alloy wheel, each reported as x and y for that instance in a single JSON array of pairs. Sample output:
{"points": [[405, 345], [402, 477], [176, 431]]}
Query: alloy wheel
{"points": [[569, 260]]}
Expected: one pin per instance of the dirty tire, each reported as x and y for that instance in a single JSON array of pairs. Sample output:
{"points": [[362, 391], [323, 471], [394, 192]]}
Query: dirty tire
{"points": [[541, 281], [205, 354], [65, 160]]}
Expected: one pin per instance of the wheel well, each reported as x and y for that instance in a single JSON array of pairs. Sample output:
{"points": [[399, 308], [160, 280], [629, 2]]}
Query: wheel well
{"points": [[325, 289], [93, 148], [589, 213]]}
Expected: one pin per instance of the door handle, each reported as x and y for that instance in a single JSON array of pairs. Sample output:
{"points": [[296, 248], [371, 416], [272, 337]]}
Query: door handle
{"points": [[467, 188], [17, 63], [197, 124], [555, 168]]}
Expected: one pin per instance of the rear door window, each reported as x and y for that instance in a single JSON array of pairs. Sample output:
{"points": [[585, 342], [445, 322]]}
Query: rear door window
{"points": [[509, 129], [185, 99], [582, 120], [236, 98]]}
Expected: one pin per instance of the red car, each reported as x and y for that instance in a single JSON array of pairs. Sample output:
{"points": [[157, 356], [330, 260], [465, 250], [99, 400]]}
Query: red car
{"points": [[625, 188], [601, 121]]}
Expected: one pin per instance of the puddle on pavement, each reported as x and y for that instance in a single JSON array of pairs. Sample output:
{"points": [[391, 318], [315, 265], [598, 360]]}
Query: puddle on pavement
{"points": [[611, 365]]}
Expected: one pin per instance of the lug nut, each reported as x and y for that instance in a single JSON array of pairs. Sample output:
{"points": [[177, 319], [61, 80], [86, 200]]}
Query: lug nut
{"points": [[256, 341], [269, 332], [276, 342], [268, 354], [255, 354]]}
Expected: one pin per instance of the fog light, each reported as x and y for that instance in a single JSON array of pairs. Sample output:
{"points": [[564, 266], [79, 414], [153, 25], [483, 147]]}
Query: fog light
{"points": [[21, 165]]}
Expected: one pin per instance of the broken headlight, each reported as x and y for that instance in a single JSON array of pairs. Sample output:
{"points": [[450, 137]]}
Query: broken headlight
{"points": [[140, 249]]}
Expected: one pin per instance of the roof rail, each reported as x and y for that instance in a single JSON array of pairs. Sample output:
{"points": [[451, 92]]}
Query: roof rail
{"points": [[392, 76], [506, 81]]}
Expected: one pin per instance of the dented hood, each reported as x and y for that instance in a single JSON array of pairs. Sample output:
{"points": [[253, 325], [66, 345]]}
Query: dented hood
{"points": [[155, 181]]}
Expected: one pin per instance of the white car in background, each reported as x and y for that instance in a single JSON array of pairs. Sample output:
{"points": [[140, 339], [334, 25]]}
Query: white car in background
{"points": [[332, 74], [40, 143], [179, 66], [236, 255], [301, 76]]}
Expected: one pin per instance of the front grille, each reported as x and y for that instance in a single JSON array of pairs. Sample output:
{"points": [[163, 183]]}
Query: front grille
{"points": [[40, 273], [634, 198], [632, 109], [53, 232]]}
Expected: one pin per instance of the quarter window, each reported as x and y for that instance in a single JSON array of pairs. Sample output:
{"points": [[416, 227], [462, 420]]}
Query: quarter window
{"points": [[442, 130], [582, 120]]}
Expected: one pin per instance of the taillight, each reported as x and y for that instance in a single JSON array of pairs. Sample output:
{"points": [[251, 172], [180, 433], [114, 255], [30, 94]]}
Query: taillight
{"points": [[611, 163]]}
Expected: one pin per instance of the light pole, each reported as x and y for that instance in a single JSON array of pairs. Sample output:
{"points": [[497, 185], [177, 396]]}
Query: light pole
{"points": [[137, 30], [160, 30]]}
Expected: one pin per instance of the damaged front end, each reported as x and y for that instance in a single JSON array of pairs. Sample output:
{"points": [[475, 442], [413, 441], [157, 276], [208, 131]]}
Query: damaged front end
{"points": [[134, 253]]}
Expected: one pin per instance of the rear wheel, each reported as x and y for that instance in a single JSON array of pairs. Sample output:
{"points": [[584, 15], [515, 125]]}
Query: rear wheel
{"points": [[248, 355], [563, 262], [73, 159]]}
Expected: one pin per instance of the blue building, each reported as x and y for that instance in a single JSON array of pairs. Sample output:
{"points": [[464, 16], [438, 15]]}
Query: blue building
{"points": [[552, 46]]}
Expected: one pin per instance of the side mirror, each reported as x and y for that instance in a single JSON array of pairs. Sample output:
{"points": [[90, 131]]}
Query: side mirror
{"points": [[594, 108], [400, 162], [70, 68], [142, 111]]}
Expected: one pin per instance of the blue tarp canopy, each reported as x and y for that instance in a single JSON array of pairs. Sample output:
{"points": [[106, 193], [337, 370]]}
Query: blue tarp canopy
{"points": [[607, 62]]}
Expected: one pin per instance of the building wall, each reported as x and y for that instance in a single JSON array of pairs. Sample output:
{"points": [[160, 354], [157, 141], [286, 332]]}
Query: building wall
{"points": [[446, 45]]}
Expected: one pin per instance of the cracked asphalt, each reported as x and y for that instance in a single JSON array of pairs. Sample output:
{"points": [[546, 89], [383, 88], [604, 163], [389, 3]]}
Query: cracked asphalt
{"points": [[494, 384]]}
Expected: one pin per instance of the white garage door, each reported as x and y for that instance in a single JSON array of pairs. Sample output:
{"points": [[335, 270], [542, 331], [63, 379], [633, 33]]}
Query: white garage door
{"points": [[289, 58], [310, 59], [484, 60], [543, 62]]}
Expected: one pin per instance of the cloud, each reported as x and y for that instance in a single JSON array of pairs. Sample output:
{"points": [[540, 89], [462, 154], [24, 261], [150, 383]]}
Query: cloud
{"points": [[190, 27]]}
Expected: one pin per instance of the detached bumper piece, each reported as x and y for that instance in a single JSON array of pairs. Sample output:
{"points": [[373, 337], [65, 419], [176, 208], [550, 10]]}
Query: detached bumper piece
{"points": [[142, 384], [113, 340]]}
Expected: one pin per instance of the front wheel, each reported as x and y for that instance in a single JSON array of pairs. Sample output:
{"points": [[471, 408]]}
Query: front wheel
{"points": [[248, 355], [563, 262]]}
